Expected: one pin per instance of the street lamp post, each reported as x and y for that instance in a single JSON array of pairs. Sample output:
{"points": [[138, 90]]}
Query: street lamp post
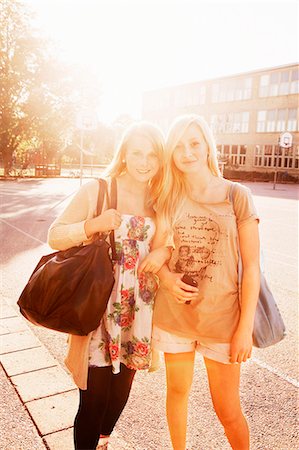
{"points": [[275, 163]]}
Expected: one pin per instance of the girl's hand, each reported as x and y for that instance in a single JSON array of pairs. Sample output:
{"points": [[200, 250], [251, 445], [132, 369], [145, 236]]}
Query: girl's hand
{"points": [[107, 221], [181, 291], [154, 260], [241, 346]]}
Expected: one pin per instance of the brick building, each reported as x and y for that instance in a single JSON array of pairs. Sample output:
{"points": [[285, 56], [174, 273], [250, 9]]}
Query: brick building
{"points": [[247, 112]]}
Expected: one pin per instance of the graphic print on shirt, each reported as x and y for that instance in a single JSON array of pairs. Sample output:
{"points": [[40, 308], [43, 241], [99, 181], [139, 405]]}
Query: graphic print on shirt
{"points": [[148, 285], [198, 237]]}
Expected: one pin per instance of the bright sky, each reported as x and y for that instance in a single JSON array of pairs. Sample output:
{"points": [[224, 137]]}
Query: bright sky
{"points": [[138, 45]]}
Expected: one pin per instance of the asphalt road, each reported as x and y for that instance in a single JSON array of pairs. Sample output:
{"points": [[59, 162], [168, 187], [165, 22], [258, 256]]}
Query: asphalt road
{"points": [[269, 388]]}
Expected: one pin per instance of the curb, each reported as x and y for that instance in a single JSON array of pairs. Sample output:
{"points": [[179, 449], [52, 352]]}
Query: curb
{"points": [[46, 390]]}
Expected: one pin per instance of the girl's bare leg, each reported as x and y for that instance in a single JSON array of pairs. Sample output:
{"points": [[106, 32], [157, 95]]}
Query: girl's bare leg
{"points": [[179, 374], [224, 381]]}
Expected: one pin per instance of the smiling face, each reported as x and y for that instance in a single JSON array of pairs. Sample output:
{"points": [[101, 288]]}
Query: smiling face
{"points": [[191, 151], [142, 162]]}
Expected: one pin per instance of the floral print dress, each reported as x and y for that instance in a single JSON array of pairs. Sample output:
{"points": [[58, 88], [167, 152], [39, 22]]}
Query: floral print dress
{"points": [[124, 334]]}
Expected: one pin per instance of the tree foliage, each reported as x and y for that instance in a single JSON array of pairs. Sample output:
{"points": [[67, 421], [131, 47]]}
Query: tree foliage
{"points": [[39, 95], [19, 54]]}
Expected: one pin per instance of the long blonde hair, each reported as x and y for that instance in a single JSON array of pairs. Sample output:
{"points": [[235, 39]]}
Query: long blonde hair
{"points": [[117, 166], [174, 188]]}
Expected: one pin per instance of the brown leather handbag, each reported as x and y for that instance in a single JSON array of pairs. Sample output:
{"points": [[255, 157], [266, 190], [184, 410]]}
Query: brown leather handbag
{"points": [[69, 290]]}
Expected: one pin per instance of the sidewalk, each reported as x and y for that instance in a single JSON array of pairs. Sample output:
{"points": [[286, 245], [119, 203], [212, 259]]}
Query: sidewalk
{"points": [[38, 411]]}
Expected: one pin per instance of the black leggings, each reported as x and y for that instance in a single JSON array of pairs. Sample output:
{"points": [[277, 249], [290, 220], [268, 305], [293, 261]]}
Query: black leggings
{"points": [[101, 404]]}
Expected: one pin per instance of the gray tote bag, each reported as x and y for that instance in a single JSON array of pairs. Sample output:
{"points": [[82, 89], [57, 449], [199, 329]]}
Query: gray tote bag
{"points": [[269, 328]]}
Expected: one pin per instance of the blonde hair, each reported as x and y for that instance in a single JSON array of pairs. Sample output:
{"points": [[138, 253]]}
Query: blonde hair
{"points": [[150, 131], [174, 192]]}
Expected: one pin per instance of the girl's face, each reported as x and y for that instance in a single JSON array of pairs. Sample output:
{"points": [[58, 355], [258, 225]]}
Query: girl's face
{"points": [[191, 151], [142, 161]]}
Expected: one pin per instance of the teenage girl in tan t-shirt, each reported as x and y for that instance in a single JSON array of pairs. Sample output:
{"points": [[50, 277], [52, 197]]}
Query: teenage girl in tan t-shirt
{"points": [[205, 225]]}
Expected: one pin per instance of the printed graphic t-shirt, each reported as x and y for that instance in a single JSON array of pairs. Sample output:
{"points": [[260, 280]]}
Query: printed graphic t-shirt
{"points": [[206, 249]]}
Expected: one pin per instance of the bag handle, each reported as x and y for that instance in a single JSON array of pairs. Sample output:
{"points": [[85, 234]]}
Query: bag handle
{"points": [[112, 203], [231, 194], [101, 195]]}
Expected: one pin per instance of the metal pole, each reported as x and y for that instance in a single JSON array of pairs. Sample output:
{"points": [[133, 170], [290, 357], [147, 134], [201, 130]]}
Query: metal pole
{"points": [[81, 157], [275, 164]]}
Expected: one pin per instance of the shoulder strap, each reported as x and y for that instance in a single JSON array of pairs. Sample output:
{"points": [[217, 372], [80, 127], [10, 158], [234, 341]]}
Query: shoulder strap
{"points": [[101, 195], [112, 203], [231, 193], [113, 194]]}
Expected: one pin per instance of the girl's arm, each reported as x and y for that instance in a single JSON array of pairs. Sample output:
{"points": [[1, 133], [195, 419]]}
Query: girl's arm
{"points": [[160, 253], [155, 262], [241, 345], [76, 223], [107, 221]]}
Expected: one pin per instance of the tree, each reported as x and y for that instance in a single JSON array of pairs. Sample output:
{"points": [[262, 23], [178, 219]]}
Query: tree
{"points": [[19, 55], [39, 95]]}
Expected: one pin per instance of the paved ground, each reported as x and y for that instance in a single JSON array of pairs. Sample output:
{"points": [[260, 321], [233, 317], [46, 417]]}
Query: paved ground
{"points": [[40, 398]]}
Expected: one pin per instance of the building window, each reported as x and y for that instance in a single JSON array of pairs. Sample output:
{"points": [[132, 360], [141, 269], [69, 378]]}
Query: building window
{"points": [[261, 121], [229, 91], [279, 83], [189, 96], [273, 156], [284, 83], [295, 81], [277, 120], [247, 89], [234, 155], [274, 82], [281, 119], [245, 122], [242, 155], [288, 157], [292, 120], [226, 150], [270, 122], [213, 123], [230, 123], [264, 85], [258, 156]]}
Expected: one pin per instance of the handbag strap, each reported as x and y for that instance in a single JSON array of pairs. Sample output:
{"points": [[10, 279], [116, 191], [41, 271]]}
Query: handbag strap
{"points": [[112, 203], [231, 195], [101, 195]]}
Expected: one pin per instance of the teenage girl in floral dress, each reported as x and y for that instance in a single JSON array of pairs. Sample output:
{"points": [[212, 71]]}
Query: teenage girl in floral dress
{"points": [[103, 364]]}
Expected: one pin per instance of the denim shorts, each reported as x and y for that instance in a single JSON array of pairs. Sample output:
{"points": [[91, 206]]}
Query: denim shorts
{"points": [[170, 343]]}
